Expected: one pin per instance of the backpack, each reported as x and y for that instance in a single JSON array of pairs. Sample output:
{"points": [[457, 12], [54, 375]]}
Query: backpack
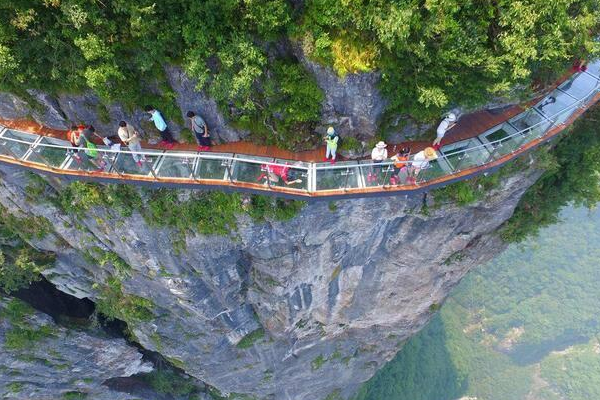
{"points": [[91, 149]]}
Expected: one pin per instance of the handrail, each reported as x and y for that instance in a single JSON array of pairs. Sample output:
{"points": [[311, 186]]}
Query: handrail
{"points": [[233, 164]]}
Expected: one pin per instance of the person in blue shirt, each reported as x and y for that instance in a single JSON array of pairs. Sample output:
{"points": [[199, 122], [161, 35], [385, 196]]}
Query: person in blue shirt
{"points": [[161, 125]]}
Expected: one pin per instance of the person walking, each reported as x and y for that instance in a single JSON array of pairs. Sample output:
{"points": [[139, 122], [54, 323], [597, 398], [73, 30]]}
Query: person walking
{"points": [[131, 138], [378, 155], [161, 125], [332, 140], [91, 150], [200, 131], [447, 123]]}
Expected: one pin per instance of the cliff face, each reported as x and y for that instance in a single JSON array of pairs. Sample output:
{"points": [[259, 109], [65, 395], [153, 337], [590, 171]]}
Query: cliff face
{"points": [[60, 360], [280, 310]]}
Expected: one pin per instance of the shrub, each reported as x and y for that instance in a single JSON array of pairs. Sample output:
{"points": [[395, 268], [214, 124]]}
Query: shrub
{"points": [[114, 304], [19, 267], [251, 338], [22, 335]]}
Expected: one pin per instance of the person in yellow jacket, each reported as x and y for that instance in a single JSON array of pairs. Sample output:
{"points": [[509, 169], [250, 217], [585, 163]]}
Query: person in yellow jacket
{"points": [[332, 140]]}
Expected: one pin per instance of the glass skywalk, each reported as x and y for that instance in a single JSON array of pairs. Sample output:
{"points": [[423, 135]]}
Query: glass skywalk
{"points": [[293, 178]]}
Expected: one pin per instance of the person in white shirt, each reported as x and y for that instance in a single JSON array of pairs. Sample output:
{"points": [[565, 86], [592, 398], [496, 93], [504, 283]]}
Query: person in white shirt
{"points": [[447, 123], [378, 154], [420, 161], [131, 138]]}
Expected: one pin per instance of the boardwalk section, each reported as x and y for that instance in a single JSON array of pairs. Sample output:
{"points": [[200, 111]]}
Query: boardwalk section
{"points": [[481, 142]]}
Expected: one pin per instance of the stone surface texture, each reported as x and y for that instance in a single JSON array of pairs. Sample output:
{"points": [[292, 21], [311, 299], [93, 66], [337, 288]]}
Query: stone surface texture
{"points": [[69, 360], [336, 290]]}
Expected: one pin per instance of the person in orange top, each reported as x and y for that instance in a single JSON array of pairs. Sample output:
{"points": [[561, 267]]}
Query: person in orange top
{"points": [[74, 136], [400, 165]]}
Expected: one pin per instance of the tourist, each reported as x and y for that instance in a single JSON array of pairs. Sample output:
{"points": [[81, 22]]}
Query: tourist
{"points": [[447, 123], [378, 155], [332, 140], [131, 138], [161, 125], [200, 131], [400, 165], [74, 136], [273, 173], [91, 150], [419, 162]]}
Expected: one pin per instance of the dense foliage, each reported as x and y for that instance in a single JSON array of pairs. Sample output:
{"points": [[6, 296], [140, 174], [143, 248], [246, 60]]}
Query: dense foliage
{"points": [[529, 315], [573, 179], [437, 52]]}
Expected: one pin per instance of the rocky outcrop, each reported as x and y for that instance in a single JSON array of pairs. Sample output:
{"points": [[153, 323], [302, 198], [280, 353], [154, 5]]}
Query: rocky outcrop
{"points": [[41, 360], [353, 104], [280, 310]]}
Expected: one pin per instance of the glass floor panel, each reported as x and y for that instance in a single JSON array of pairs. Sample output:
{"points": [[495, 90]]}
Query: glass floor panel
{"points": [[376, 175], [177, 167], [581, 86], [245, 171], [531, 121], [299, 175], [83, 161], [553, 106], [51, 156], [594, 68], [502, 140], [459, 158], [338, 178], [15, 149], [213, 169], [125, 163]]}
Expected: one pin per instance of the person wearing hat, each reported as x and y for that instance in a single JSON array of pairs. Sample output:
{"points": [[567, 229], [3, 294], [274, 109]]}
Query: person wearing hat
{"points": [[447, 123], [332, 140], [378, 155], [420, 161]]}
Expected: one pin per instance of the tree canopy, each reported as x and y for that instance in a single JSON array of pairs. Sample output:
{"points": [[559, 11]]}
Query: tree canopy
{"points": [[432, 54]]}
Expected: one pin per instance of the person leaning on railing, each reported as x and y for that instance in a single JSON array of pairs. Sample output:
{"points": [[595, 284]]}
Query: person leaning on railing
{"points": [[200, 130], [447, 123], [74, 136], [420, 162], [131, 138], [400, 165]]}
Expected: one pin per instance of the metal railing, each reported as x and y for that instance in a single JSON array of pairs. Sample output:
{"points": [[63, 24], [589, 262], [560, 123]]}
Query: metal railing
{"points": [[269, 174]]}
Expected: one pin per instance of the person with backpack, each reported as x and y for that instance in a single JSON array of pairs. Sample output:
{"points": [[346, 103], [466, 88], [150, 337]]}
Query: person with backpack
{"points": [[200, 130], [161, 125], [331, 140], [131, 138], [91, 150]]}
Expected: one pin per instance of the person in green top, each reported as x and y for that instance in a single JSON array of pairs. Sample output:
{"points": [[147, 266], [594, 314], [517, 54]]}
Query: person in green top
{"points": [[332, 140]]}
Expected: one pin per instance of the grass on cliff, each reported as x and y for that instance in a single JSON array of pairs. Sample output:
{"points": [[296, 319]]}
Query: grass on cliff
{"points": [[22, 335]]}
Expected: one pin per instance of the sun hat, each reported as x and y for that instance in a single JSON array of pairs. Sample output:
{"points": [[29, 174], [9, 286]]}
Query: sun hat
{"points": [[381, 145], [451, 117], [330, 131], [430, 153]]}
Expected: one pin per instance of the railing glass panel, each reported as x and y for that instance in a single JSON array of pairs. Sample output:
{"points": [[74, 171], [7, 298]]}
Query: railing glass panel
{"points": [[125, 164], [343, 175], [557, 106], [376, 174], [207, 168], [296, 174], [13, 148], [250, 168], [459, 157], [177, 166], [435, 169], [50, 156]]}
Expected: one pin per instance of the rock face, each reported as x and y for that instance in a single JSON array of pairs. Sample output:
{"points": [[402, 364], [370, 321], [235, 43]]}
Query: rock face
{"points": [[352, 104], [295, 310], [59, 361]]}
